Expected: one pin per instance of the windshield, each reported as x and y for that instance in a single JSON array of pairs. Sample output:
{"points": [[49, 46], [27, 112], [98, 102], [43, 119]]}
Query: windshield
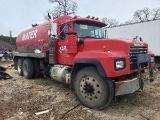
{"points": [[88, 30]]}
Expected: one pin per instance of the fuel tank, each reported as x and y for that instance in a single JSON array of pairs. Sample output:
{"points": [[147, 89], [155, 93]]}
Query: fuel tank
{"points": [[33, 39]]}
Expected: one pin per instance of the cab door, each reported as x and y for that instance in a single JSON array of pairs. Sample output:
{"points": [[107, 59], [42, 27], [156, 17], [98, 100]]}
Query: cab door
{"points": [[66, 45]]}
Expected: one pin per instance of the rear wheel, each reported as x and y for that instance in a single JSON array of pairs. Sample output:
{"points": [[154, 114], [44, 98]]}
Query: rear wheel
{"points": [[15, 63], [36, 68], [19, 66], [28, 69], [92, 90]]}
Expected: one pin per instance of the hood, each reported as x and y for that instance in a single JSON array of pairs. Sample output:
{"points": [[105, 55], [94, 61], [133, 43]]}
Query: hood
{"points": [[113, 44]]}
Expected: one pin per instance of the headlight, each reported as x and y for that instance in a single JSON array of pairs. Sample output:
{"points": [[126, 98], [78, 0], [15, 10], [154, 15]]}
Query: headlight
{"points": [[119, 64], [152, 59]]}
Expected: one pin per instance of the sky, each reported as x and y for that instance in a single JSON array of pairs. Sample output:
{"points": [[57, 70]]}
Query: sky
{"points": [[18, 15]]}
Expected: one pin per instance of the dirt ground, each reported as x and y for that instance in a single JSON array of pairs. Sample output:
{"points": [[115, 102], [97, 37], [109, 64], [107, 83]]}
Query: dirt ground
{"points": [[21, 99]]}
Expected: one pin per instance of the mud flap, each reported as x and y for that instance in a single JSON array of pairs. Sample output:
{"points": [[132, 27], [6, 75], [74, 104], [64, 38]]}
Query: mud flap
{"points": [[144, 58]]}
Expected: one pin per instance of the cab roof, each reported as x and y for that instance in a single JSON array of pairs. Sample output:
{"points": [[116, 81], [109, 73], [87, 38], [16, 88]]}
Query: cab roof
{"points": [[66, 19], [89, 20]]}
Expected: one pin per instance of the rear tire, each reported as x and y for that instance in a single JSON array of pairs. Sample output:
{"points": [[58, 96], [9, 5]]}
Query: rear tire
{"points": [[15, 63], [36, 68], [19, 66], [28, 69], [92, 90]]}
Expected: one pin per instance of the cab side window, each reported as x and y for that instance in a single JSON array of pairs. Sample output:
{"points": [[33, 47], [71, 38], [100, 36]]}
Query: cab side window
{"points": [[63, 29]]}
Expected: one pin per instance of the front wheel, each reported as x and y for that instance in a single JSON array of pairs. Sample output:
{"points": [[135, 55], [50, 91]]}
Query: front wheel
{"points": [[92, 90]]}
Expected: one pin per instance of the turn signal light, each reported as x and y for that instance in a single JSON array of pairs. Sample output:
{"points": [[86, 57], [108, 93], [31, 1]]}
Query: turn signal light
{"points": [[106, 49]]}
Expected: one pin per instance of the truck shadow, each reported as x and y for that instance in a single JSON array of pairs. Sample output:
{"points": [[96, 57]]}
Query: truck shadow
{"points": [[137, 100]]}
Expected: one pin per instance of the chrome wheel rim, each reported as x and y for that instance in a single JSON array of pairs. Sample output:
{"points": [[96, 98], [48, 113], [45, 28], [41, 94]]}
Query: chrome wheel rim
{"points": [[90, 89]]}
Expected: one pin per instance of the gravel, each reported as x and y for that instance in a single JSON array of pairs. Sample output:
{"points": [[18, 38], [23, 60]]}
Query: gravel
{"points": [[21, 99]]}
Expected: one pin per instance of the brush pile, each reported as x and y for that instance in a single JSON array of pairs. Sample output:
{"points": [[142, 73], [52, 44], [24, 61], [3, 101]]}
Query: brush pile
{"points": [[3, 75]]}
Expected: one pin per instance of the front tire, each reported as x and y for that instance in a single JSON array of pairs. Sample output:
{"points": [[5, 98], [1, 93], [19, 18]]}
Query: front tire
{"points": [[92, 90], [28, 69]]}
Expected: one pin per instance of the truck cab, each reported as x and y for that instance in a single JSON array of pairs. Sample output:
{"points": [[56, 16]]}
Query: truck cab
{"points": [[73, 32]]}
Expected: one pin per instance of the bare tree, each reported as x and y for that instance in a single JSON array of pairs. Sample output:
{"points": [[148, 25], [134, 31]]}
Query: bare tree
{"points": [[62, 7], [110, 22], [138, 16], [156, 13], [141, 15], [129, 22], [146, 12]]}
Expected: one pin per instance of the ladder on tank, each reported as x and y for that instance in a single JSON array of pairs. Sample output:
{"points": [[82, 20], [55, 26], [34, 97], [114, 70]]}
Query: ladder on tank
{"points": [[52, 41], [51, 47]]}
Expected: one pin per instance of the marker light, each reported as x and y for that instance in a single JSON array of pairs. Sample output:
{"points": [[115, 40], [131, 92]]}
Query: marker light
{"points": [[75, 17], [92, 17], [97, 18], [88, 16]]}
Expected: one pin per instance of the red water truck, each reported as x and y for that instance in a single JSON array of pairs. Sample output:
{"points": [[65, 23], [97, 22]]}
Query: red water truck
{"points": [[74, 50]]}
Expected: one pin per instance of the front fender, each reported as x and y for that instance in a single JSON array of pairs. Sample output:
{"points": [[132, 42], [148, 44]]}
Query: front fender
{"points": [[92, 62], [106, 60]]}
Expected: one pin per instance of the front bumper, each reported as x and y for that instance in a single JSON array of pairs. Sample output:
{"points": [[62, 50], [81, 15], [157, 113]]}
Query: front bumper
{"points": [[130, 86]]}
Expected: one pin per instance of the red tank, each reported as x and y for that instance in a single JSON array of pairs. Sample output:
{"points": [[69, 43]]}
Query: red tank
{"points": [[36, 37]]}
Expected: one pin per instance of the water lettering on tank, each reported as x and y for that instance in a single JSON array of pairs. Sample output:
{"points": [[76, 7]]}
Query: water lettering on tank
{"points": [[30, 35]]}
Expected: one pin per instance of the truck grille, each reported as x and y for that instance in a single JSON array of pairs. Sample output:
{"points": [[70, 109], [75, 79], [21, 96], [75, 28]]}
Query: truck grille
{"points": [[134, 51]]}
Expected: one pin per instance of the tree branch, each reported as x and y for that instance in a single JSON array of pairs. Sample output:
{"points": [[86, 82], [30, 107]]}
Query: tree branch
{"points": [[64, 7]]}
